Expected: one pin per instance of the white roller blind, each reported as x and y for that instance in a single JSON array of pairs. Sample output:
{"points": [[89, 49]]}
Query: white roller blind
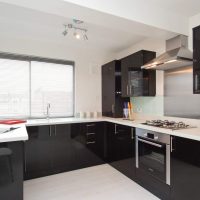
{"points": [[14, 88], [51, 83]]}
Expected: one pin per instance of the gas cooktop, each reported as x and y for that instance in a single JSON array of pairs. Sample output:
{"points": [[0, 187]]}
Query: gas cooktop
{"points": [[168, 124]]}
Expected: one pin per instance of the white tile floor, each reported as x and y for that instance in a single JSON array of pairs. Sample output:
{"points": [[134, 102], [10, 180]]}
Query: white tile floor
{"points": [[94, 183]]}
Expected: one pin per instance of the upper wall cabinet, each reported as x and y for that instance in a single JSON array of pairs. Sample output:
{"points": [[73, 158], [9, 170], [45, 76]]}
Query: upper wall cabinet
{"points": [[196, 60], [112, 103], [135, 81]]}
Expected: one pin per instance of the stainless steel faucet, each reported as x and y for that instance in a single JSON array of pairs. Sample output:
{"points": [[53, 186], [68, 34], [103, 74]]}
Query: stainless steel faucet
{"points": [[48, 108]]}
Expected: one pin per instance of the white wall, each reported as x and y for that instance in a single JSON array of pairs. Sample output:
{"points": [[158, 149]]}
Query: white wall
{"points": [[87, 67], [193, 22]]}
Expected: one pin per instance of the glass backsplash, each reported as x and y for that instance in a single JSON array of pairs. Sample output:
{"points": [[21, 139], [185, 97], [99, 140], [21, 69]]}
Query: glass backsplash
{"points": [[148, 105]]}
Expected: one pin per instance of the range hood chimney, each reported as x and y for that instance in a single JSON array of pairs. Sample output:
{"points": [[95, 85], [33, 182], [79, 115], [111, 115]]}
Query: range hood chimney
{"points": [[177, 55]]}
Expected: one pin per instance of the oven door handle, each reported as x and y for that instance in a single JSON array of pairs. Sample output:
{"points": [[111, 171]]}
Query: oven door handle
{"points": [[151, 143]]}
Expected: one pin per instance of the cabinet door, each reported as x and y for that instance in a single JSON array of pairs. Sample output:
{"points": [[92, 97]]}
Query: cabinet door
{"points": [[125, 64], [185, 169], [93, 133], [101, 141], [85, 145], [132, 78], [196, 60], [121, 145], [108, 89], [38, 152], [196, 48], [62, 148]]}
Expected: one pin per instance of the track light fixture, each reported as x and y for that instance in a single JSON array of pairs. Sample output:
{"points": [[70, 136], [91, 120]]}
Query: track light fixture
{"points": [[78, 32], [65, 31]]}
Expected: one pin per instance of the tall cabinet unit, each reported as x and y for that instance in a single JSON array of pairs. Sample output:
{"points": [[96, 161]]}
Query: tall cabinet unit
{"points": [[135, 81], [196, 60], [112, 102]]}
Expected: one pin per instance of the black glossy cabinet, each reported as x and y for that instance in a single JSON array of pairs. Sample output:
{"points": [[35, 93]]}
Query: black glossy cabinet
{"points": [[47, 150], [88, 140], [38, 152], [135, 81], [64, 147], [185, 169], [11, 172], [112, 102], [121, 148], [196, 60]]}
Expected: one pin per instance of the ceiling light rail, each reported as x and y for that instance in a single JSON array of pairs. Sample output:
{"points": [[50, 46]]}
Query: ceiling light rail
{"points": [[78, 32]]}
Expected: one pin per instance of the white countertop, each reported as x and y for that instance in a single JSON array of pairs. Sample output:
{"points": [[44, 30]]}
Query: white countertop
{"points": [[190, 133], [20, 134]]}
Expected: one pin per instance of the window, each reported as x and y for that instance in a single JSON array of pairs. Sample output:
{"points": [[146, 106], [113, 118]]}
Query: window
{"points": [[28, 85], [14, 88], [51, 83]]}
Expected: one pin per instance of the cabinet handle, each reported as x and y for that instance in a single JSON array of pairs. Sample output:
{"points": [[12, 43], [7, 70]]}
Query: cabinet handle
{"points": [[92, 142], [151, 143], [171, 145], [90, 134], [196, 82], [113, 108], [132, 135], [116, 129], [90, 125], [55, 131], [25, 165], [50, 131], [127, 89]]}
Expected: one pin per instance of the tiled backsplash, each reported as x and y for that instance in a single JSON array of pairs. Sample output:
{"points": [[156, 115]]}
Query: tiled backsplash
{"points": [[148, 105]]}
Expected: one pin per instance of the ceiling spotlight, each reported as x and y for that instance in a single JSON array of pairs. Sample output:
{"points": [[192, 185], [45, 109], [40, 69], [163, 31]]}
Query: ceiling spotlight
{"points": [[74, 27], [65, 31], [76, 35], [85, 37]]}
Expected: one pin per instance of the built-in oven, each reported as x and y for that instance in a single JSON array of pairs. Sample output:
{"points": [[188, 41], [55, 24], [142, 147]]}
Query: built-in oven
{"points": [[153, 154]]}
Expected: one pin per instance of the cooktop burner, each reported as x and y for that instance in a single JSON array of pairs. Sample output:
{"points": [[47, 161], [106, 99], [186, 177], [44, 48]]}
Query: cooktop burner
{"points": [[167, 124]]}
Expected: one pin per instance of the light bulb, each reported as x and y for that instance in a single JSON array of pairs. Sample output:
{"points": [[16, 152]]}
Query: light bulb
{"points": [[77, 36]]}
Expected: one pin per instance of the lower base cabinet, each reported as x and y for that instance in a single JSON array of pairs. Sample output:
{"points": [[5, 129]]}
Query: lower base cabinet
{"points": [[121, 148], [11, 171], [185, 169], [60, 148], [38, 152]]}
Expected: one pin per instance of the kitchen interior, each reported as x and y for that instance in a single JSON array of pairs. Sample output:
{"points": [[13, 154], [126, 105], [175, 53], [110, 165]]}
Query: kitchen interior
{"points": [[99, 101]]}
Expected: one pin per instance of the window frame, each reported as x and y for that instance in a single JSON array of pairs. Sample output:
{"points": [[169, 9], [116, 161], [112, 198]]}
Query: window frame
{"points": [[29, 58]]}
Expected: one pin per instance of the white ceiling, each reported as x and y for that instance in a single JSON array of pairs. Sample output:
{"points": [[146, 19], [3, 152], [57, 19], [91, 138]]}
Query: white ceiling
{"points": [[33, 20], [22, 23], [186, 8]]}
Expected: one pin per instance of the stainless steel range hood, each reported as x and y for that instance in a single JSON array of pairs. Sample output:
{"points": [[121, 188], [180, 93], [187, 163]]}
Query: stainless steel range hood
{"points": [[177, 55]]}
